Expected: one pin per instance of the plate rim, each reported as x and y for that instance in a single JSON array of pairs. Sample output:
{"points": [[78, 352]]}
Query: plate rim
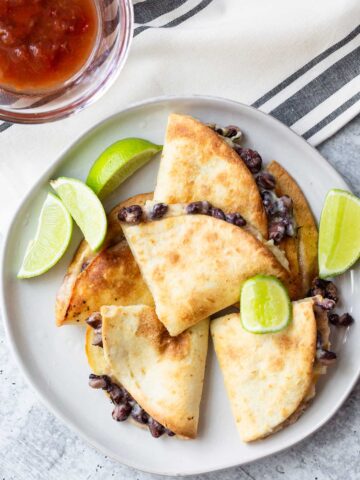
{"points": [[10, 338]]}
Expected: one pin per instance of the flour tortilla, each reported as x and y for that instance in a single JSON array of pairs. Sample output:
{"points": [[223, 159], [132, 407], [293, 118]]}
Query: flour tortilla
{"points": [[268, 378], [197, 164], [95, 355], [301, 251], [110, 277], [194, 265], [164, 374]]}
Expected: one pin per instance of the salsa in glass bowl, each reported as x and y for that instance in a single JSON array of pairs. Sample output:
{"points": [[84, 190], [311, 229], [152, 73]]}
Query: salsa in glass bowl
{"points": [[58, 56]]}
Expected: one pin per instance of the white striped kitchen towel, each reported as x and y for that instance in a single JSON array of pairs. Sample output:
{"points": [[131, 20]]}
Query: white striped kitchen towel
{"points": [[297, 60]]}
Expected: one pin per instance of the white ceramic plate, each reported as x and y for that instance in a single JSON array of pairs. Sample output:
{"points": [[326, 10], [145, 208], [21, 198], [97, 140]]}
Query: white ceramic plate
{"points": [[53, 359]]}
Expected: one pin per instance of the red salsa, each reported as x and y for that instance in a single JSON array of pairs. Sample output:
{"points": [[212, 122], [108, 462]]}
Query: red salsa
{"points": [[43, 43]]}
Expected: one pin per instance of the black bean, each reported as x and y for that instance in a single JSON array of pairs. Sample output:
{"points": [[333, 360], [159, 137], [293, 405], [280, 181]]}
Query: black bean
{"points": [[217, 213], [158, 211], [95, 320], [333, 318], [232, 131], [169, 432], [99, 381], [251, 158], [156, 429], [269, 202], [325, 304], [219, 130], [127, 396], [139, 414], [121, 412], [313, 292], [285, 204], [132, 214], [266, 181], [331, 292], [236, 219], [199, 207], [84, 266], [320, 283], [115, 393], [277, 231], [97, 339], [345, 320], [325, 357]]}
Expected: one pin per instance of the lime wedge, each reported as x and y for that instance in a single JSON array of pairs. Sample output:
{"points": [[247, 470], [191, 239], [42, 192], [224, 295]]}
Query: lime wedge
{"points": [[85, 208], [118, 162], [265, 305], [339, 236], [51, 239]]}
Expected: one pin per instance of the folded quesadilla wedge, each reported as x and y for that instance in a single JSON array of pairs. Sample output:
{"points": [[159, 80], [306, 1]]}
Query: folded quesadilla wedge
{"points": [[198, 164], [194, 265], [163, 374], [108, 277], [301, 251], [269, 378]]}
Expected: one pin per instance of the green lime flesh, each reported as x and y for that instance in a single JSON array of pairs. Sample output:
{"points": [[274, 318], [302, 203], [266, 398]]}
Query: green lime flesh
{"points": [[339, 233], [51, 240], [85, 208], [265, 305]]}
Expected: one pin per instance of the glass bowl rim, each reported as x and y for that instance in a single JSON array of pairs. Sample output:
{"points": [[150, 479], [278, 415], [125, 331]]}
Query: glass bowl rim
{"points": [[126, 20]]}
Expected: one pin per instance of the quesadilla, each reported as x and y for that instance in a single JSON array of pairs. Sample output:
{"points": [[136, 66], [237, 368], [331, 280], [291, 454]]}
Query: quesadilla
{"points": [[164, 375], [301, 250], [269, 378], [197, 164], [108, 277], [194, 265]]}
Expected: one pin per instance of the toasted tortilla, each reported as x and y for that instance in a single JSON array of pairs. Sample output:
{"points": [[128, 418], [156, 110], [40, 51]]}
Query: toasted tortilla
{"points": [[108, 277], [95, 355], [197, 164], [301, 251], [165, 375], [267, 377], [194, 265]]}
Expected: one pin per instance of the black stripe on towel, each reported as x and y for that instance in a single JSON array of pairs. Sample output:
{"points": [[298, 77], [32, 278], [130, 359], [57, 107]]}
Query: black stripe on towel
{"points": [[177, 21], [319, 89], [332, 116], [271, 93], [147, 11]]}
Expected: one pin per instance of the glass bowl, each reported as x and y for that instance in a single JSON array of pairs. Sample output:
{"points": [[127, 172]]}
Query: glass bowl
{"points": [[98, 74]]}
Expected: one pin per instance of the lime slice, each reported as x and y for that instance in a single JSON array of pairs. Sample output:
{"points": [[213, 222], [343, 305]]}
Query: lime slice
{"points": [[51, 240], [339, 236], [118, 162], [85, 208], [265, 305]]}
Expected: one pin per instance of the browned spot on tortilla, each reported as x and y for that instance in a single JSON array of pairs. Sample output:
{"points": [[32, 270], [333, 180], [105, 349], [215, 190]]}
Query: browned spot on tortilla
{"points": [[284, 342], [276, 364], [152, 329], [173, 257], [158, 274]]}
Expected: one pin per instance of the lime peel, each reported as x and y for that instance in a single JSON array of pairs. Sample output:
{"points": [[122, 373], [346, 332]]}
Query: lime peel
{"points": [[51, 240], [339, 235], [265, 306], [118, 162]]}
